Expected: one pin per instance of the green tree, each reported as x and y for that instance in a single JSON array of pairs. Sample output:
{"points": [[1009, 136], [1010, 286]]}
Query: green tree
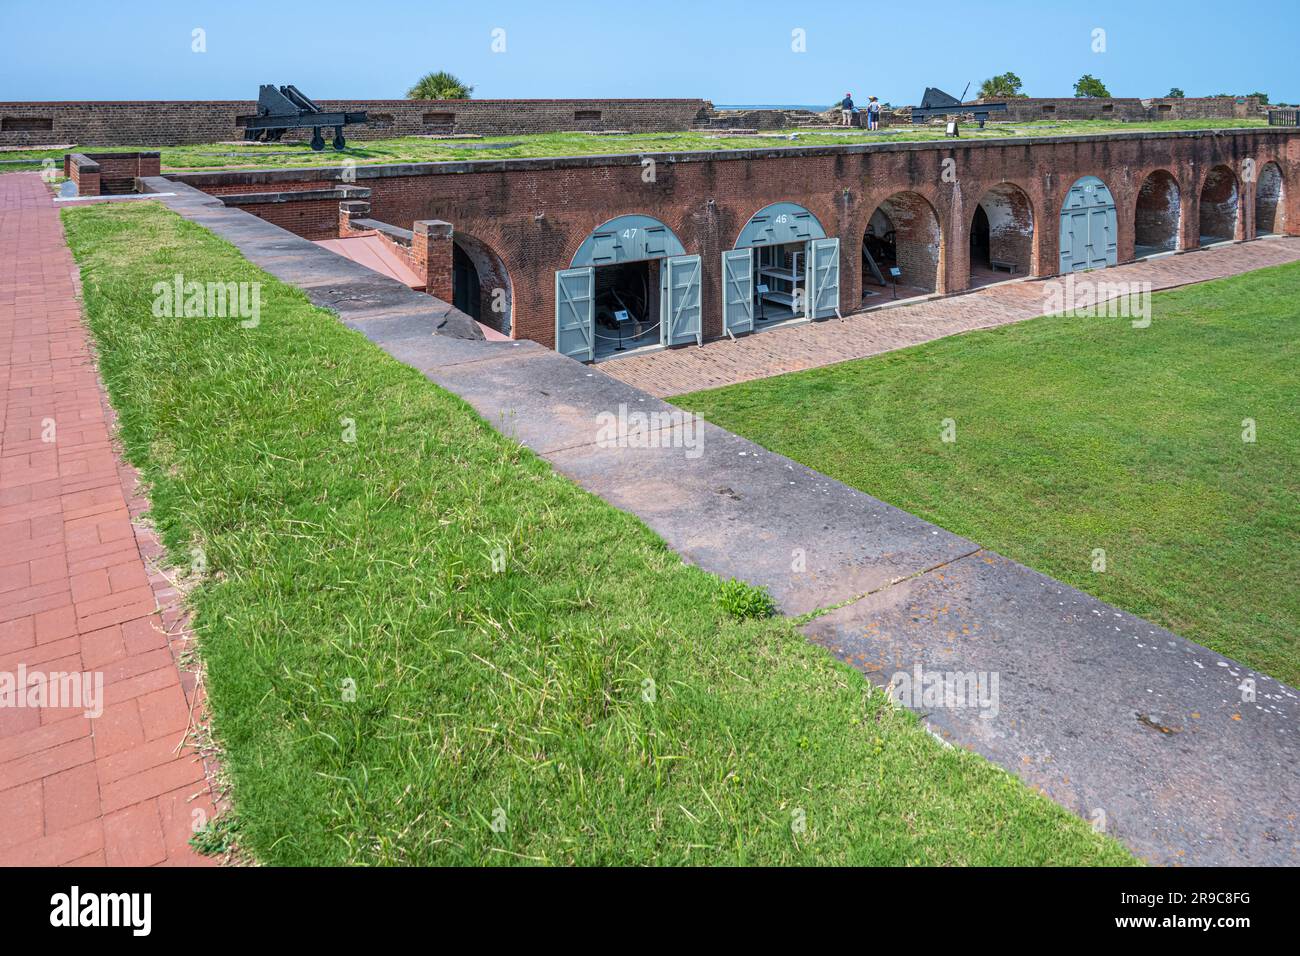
{"points": [[439, 86], [1175, 92], [1001, 86], [1263, 98], [1090, 86]]}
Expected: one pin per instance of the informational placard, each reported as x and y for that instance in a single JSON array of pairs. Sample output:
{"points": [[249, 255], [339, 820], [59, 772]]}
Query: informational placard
{"points": [[895, 271], [761, 288], [621, 316]]}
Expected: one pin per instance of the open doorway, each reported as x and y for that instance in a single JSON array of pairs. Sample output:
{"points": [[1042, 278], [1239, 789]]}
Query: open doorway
{"points": [[480, 285], [467, 291], [782, 269], [1001, 236], [981, 256], [627, 307], [630, 287], [782, 291], [900, 250]]}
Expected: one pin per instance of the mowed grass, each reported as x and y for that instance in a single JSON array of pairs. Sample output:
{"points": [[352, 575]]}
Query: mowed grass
{"points": [[419, 149], [1080, 434], [590, 699]]}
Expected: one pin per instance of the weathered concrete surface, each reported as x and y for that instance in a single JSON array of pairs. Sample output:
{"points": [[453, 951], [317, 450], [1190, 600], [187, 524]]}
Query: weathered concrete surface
{"points": [[543, 399], [1119, 720], [1100, 709], [741, 511]]}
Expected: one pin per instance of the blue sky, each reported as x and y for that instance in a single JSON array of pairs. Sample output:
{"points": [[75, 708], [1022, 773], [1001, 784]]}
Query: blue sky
{"points": [[730, 52]]}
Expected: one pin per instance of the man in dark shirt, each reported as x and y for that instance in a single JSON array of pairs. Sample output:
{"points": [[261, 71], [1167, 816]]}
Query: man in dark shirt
{"points": [[846, 109]]}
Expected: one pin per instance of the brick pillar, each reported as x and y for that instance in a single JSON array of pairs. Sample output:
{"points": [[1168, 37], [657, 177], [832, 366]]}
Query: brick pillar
{"points": [[349, 211], [954, 255], [1189, 216], [431, 251]]}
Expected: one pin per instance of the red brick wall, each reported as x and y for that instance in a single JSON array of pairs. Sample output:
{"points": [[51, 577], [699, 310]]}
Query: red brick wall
{"points": [[84, 173], [168, 123], [310, 218], [234, 189], [533, 214], [115, 173], [1125, 109]]}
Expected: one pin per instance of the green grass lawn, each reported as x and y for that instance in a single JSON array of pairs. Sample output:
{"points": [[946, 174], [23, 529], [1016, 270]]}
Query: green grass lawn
{"points": [[1080, 434], [415, 149], [591, 696]]}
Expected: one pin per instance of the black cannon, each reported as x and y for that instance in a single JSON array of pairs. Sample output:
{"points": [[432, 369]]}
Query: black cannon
{"points": [[938, 103], [286, 108]]}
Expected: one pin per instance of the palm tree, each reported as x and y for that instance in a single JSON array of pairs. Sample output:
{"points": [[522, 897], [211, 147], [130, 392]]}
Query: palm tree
{"points": [[1003, 86], [439, 86]]}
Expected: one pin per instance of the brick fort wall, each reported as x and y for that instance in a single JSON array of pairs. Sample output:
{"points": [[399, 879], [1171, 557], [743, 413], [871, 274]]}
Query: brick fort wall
{"points": [[531, 215], [162, 123]]}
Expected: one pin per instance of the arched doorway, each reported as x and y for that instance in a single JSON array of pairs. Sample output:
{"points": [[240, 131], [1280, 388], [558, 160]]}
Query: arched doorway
{"points": [[1157, 215], [1001, 235], [1089, 228], [481, 286], [1219, 206], [630, 286], [1270, 209], [782, 269], [901, 248]]}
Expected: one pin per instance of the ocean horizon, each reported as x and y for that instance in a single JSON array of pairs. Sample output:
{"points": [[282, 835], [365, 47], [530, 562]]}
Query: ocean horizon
{"points": [[772, 106]]}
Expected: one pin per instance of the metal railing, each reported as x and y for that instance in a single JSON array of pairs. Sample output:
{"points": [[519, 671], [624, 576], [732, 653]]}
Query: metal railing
{"points": [[1284, 117]]}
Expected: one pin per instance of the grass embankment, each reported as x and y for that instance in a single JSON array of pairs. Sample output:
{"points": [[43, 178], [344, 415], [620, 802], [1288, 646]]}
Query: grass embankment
{"points": [[591, 698], [418, 149], [1081, 434]]}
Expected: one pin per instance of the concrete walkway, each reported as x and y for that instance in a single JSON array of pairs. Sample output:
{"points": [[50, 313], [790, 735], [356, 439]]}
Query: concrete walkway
{"points": [[1132, 727], [76, 593], [811, 345]]}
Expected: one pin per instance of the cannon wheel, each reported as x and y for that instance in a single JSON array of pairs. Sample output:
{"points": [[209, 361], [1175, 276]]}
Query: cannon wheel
{"points": [[317, 140], [339, 141]]}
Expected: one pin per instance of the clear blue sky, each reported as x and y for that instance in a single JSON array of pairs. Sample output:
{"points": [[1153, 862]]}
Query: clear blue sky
{"points": [[727, 51]]}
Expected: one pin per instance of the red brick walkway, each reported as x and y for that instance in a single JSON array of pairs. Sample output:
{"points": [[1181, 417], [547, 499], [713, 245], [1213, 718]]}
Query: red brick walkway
{"points": [[792, 348], [76, 594]]}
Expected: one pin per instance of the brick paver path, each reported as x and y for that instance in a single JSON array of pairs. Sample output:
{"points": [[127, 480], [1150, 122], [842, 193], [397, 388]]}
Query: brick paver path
{"points": [[76, 594], [789, 349]]}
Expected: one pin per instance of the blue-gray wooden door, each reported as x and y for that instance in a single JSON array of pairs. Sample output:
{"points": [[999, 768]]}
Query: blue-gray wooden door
{"points": [[823, 286], [575, 304], [1088, 227], [679, 300], [738, 290]]}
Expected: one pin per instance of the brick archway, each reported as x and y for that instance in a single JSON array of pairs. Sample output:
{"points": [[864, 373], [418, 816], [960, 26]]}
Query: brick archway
{"points": [[492, 300], [1219, 206], [1157, 214], [1270, 200], [1054, 202], [905, 231], [1000, 232]]}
